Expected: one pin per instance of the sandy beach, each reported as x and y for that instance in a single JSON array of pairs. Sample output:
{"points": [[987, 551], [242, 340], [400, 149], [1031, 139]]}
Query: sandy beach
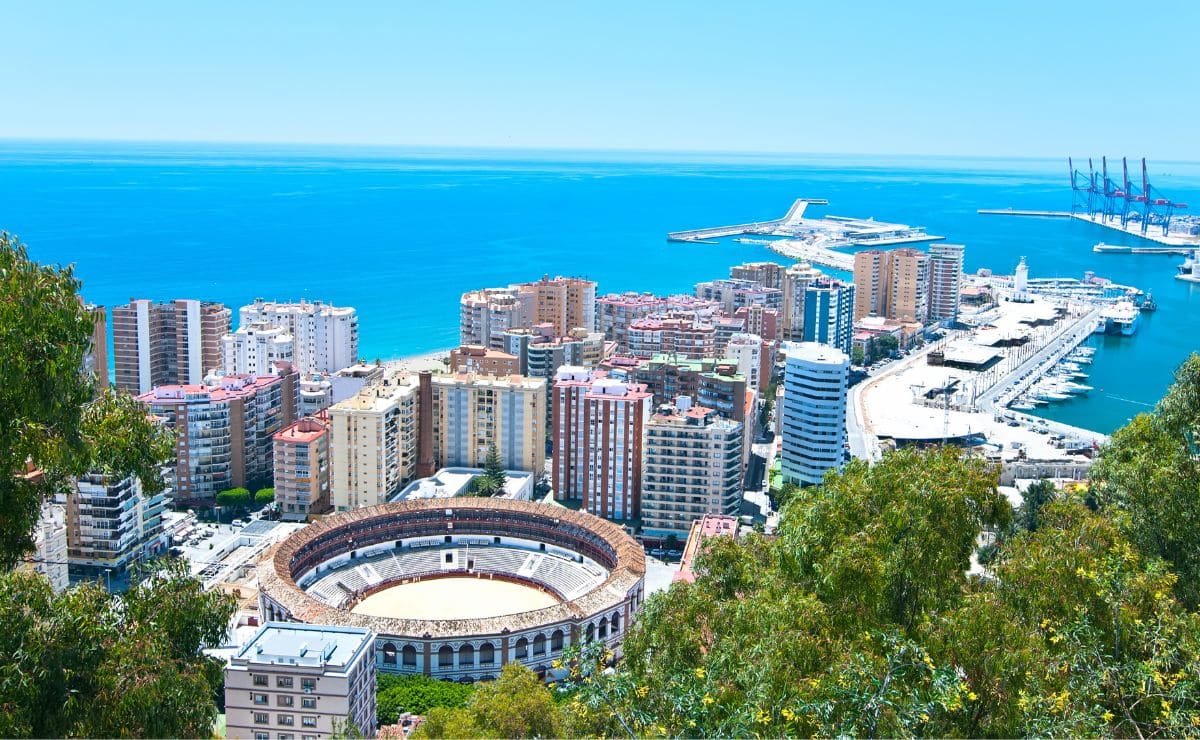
{"points": [[434, 361]]}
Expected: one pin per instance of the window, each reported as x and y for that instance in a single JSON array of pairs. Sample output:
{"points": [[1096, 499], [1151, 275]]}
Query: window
{"points": [[262, 736], [308, 737], [260, 699], [409, 655], [261, 718], [308, 684], [308, 721], [261, 680], [286, 720], [308, 702], [285, 736], [283, 682], [284, 700]]}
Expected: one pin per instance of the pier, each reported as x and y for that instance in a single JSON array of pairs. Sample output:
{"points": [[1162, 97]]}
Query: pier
{"points": [[1134, 228], [1017, 212], [813, 239]]}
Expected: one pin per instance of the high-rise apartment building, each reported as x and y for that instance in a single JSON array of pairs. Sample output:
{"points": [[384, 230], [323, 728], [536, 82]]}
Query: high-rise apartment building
{"points": [[373, 442], [616, 311], [733, 294], [815, 381], [301, 460], [760, 320], [166, 343], [753, 359], [302, 680], [479, 360], [324, 337], [224, 430], [676, 334], [909, 293], [893, 284], [565, 303], [766, 274], [714, 384], [796, 280], [829, 313], [255, 348], [473, 412], [693, 468], [599, 433], [49, 556], [111, 524], [95, 361], [945, 280], [484, 315]]}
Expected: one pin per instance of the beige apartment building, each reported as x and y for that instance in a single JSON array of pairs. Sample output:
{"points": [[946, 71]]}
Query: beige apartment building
{"points": [[302, 468], [945, 280], [373, 442], [473, 412], [95, 362], [173, 343], [893, 284], [796, 281], [296, 681], [483, 361], [565, 303], [693, 468]]}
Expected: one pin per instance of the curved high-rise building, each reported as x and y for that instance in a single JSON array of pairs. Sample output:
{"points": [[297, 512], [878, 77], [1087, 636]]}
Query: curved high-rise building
{"points": [[814, 411]]}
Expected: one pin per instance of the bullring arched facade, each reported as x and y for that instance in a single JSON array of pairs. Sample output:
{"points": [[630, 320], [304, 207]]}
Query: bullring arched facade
{"points": [[462, 649]]}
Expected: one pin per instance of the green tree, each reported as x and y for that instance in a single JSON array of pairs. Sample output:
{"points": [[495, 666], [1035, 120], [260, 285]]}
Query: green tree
{"points": [[1148, 477], [886, 345], [264, 496], [516, 705], [1037, 495], [857, 355], [90, 664], [491, 481], [234, 498], [51, 422], [397, 694]]}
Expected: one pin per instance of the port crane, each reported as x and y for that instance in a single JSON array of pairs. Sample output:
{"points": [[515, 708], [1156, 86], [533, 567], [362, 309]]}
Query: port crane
{"points": [[1096, 194]]}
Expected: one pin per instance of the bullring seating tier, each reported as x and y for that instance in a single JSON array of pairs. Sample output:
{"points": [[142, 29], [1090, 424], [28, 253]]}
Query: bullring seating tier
{"points": [[566, 578]]}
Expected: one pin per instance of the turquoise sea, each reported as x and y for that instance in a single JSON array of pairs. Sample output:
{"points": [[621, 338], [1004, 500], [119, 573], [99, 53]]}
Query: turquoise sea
{"points": [[399, 234]]}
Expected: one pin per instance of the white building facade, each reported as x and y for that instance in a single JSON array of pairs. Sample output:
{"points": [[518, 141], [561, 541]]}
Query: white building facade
{"points": [[815, 381], [325, 337], [945, 281], [747, 351], [255, 348], [302, 681]]}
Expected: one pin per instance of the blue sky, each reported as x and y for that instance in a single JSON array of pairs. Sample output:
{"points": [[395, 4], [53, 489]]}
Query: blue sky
{"points": [[1005, 78]]}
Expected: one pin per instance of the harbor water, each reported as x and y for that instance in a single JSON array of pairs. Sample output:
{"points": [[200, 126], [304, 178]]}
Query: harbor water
{"points": [[400, 234]]}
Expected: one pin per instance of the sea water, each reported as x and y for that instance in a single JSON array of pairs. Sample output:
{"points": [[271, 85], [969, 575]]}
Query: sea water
{"points": [[400, 234]]}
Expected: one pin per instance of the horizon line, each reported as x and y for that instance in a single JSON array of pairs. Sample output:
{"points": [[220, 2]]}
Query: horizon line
{"points": [[508, 148]]}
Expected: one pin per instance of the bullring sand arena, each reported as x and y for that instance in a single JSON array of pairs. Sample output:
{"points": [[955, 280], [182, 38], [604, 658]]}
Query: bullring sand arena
{"points": [[454, 598]]}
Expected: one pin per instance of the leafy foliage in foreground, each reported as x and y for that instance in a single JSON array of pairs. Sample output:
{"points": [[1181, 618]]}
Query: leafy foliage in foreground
{"points": [[398, 694], [88, 664], [515, 705], [861, 617], [50, 420]]}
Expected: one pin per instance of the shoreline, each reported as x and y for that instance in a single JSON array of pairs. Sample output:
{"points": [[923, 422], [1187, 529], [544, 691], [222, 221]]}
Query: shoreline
{"points": [[432, 361]]}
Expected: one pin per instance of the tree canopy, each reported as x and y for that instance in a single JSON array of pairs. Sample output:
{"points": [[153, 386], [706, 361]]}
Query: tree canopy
{"points": [[869, 615], [516, 705], [51, 422], [90, 664]]}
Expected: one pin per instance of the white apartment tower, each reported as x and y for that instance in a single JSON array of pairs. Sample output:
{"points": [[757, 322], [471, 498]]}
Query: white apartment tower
{"points": [[325, 337], [747, 351], [255, 348], [373, 442], [693, 467], [302, 681], [815, 382], [945, 281], [111, 523], [49, 556]]}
